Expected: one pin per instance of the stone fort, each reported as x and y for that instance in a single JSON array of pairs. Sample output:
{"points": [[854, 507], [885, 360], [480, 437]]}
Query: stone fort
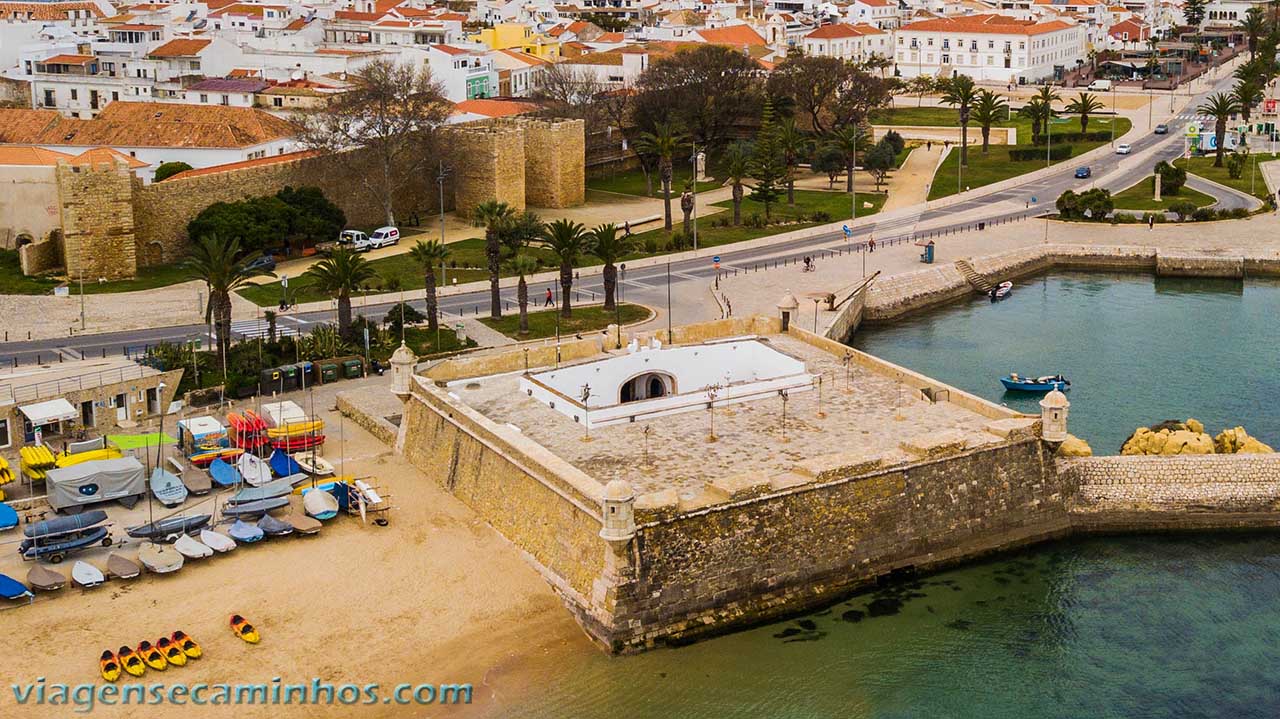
{"points": [[702, 504], [112, 224]]}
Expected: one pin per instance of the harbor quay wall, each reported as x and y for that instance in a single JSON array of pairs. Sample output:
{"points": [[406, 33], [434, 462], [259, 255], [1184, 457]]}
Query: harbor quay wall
{"points": [[1139, 493], [893, 297], [762, 557]]}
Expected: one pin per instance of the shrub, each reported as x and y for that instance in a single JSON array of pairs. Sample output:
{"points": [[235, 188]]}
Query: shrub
{"points": [[822, 216], [1028, 154], [755, 220], [1183, 209], [1202, 213], [1075, 137], [411, 317], [650, 245], [677, 240], [895, 141], [169, 169], [1236, 162]]}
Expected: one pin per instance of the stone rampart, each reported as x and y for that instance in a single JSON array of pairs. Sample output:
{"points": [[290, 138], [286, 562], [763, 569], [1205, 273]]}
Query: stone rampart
{"points": [[97, 221], [489, 164], [554, 170], [40, 257], [760, 557]]}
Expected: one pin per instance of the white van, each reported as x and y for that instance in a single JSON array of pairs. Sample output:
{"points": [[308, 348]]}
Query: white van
{"points": [[1100, 85], [384, 236]]}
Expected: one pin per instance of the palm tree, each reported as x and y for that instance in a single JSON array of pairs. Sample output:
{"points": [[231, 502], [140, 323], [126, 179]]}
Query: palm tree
{"points": [[793, 145], [987, 111], [921, 85], [1084, 105], [569, 242], [1047, 96], [223, 269], [962, 93], [610, 247], [1035, 111], [493, 216], [1247, 94], [430, 255], [1253, 25], [519, 230], [737, 165], [847, 140], [340, 274], [1220, 107], [522, 265], [662, 143], [270, 317]]}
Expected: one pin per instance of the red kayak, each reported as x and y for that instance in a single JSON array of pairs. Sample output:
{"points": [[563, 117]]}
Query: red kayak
{"points": [[252, 441], [292, 444]]}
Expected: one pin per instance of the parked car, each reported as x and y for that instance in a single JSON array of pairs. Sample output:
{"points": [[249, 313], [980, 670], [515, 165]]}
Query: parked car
{"points": [[266, 263], [1124, 148], [354, 240], [1162, 129], [1083, 172], [1100, 86], [384, 236]]}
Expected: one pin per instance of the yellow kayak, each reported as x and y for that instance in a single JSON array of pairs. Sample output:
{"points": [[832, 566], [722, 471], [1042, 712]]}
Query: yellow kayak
{"points": [[37, 457], [67, 460], [296, 429]]}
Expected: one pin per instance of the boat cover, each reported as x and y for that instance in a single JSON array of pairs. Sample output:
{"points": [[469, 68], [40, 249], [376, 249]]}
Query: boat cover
{"points": [[58, 525], [97, 481], [283, 465]]}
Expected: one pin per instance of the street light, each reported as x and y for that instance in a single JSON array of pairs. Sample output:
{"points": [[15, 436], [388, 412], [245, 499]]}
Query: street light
{"points": [[694, 159]]}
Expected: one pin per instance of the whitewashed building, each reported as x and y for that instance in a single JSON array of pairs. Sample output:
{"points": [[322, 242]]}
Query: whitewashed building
{"points": [[856, 43], [992, 48]]}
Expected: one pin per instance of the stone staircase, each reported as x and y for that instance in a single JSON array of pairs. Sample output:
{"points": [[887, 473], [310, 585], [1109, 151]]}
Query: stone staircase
{"points": [[979, 282]]}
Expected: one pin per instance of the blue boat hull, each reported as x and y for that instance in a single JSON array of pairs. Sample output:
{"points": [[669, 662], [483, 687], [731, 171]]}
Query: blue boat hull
{"points": [[1019, 386], [34, 548]]}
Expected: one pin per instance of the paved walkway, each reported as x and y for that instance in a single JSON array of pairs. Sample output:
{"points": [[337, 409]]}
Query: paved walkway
{"points": [[909, 185]]}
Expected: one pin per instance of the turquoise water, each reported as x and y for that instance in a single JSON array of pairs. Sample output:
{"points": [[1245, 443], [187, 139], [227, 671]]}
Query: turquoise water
{"points": [[1148, 627], [1104, 627], [1137, 350]]}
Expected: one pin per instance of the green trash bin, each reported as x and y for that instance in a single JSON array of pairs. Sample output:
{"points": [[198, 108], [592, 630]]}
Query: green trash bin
{"points": [[352, 369], [328, 372]]}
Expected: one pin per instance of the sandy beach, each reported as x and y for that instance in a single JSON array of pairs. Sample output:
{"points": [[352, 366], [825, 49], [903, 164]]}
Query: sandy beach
{"points": [[436, 597]]}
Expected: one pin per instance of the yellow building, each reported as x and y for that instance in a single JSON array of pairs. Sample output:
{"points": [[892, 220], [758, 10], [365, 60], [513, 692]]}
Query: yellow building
{"points": [[511, 36]]}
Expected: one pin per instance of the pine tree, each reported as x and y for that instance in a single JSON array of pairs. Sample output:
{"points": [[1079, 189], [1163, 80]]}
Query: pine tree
{"points": [[768, 163]]}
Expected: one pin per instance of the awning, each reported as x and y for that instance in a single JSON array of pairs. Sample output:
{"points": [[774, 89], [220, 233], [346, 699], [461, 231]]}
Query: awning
{"points": [[55, 410]]}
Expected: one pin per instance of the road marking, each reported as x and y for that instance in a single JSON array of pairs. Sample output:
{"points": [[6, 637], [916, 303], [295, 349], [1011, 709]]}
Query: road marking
{"points": [[687, 276], [633, 283], [69, 353]]}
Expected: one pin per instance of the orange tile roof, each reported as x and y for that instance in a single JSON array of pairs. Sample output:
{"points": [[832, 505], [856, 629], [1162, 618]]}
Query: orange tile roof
{"points": [[996, 24], [137, 27], [386, 5], [182, 47], [45, 10], [244, 72], [450, 50], [69, 60], [353, 15], [612, 58], [493, 108], [296, 24], [147, 124], [611, 37], [106, 155], [30, 156], [834, 31], [736, 35], [525, 57], [230, 166]]}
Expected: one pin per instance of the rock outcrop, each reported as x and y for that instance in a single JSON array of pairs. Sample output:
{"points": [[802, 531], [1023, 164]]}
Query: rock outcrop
{"points": [[1073, 446], [1238, 441]]}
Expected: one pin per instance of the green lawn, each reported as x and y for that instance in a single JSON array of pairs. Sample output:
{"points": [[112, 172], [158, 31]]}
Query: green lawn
{"points": [[835, 204], [996, 166], [12, 281], [423, 342], [585, 319], [631, 182], [1139, 197], [1247, 183]]}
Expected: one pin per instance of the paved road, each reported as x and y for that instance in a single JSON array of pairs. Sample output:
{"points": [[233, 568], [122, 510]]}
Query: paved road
{"points": [[649, 285]]}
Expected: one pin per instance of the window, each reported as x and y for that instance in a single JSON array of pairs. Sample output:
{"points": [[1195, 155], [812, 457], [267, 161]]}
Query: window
{"points": [[203, 98], [5, 439], [226, 100], [49, 100], [195, 64], [277, 102], [75, 94]]}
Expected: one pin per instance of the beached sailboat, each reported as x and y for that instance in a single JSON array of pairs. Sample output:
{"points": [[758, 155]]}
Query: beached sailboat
{"points": [[244, 532], [313, 464], [159, 558], [217, 542], [167, 530], [254, 508], [167, 488], [192, 548], [86, 575], [320, 504], [45, 579], [253, 470], [121, 567], [273, 527]]}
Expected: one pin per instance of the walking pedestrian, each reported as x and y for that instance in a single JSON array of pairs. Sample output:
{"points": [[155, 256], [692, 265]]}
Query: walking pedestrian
{"points": [[871, 243], [1151, 222], [928, 146], [547, 303]]}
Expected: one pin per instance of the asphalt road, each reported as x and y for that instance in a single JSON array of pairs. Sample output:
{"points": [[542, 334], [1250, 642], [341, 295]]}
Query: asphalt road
{"points": [[649, 285]]}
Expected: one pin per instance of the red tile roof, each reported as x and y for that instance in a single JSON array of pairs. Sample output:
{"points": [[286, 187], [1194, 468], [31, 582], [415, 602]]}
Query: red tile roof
{"points": [[69, 60], [30, 156], [736, 35], [230, 166], [45, 10], [995, 24], [834, 32], [146, 124], [494, 108], [180, 48]]}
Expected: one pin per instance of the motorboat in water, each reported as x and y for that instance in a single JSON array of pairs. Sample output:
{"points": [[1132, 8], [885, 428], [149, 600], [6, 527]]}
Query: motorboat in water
{"points": [[1017, 383]]}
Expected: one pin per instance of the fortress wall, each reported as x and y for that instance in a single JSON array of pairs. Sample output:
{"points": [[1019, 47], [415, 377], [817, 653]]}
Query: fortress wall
{"points": [[741, 563], [488, 164], [542, 504], [97, 221], [1194, 265]]}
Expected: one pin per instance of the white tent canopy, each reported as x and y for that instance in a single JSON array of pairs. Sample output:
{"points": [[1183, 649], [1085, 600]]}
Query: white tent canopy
{"points": [[55, 410]]}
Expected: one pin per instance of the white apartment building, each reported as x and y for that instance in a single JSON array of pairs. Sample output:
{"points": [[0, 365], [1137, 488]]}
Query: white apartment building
{"points": [[877, 13], [991, 48], [615, 68], [22, 23], [518, 72], [856, 43]]}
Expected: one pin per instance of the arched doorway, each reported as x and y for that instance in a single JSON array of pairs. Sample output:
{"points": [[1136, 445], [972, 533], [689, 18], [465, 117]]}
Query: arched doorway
{"points": [[649, 385]]}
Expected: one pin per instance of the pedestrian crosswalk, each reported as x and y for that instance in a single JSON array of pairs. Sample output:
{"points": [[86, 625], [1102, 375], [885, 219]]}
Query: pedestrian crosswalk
{"points": [[252, 329]]}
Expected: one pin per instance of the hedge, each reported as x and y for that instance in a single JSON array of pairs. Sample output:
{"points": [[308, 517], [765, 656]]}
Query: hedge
{"points": [[1074, 137], [1057, 152]]}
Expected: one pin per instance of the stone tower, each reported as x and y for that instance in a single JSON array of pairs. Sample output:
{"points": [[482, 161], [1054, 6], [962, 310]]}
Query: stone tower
{"points": [[1053, 416], [402, 362], [97, 220], [619, 513], [489, 164], [787, 307]]}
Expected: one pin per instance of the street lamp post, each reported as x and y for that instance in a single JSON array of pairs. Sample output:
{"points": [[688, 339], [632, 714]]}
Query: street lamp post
{"points": [[440, 181], [694, 159]]}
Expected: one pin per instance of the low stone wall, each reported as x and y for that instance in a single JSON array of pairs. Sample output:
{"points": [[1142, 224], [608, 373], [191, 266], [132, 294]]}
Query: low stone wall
{"points": [[377, 426], [1138, 493], [40, 257]]}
